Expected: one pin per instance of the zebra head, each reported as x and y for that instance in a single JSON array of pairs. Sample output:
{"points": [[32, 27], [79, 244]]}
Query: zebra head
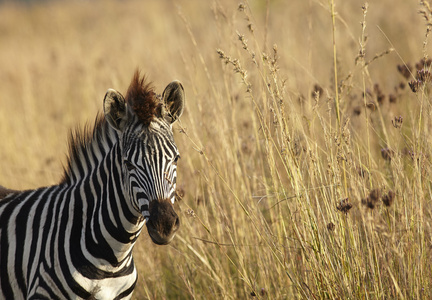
{"points": [[149, 155]]}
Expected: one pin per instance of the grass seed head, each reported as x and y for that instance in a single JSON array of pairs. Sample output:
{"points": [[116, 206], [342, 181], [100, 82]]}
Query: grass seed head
{"points": [[405, 70], [388, 198], [375, 194], [344, 206], [317, 91], [397, 122], [368, 202], [424, 76], [380, 97], [415, 85], [373, 198], [331, 227], [387, 153], [423, 63]]}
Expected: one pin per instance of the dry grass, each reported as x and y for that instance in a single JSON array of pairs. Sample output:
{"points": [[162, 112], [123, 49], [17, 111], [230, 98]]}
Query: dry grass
{"points": [[281, 199]]}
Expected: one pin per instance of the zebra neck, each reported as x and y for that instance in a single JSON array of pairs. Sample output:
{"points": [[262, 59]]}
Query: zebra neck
{"points": [[111, 224]]}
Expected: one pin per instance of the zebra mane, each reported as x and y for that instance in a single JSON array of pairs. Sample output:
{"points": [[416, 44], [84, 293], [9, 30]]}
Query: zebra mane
{"points": [[143, 100], [87, 143]]}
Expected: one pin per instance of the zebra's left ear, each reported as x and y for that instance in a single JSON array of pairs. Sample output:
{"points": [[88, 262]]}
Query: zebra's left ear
{"points": [[173, 99], [115, 109]]}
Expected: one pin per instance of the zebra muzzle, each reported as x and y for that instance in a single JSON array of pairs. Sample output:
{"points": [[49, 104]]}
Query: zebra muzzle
{"points": [[163, 222]]}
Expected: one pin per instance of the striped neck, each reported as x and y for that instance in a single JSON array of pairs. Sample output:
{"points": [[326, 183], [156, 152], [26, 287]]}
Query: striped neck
{"points": [[119, 221], [110, 223]]}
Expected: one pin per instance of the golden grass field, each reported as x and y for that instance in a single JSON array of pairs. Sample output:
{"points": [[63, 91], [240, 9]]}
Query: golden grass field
{"points": [[291, 187]]}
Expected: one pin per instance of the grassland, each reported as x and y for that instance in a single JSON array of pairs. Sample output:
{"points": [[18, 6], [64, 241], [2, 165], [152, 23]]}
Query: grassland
{"points": [[306, 157]]}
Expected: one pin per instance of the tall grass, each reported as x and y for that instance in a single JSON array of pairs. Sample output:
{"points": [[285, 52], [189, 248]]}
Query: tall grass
{"points": [[306, 160]]}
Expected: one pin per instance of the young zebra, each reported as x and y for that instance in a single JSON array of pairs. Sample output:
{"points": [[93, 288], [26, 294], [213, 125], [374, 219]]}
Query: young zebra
{"points": [[74, 240]]}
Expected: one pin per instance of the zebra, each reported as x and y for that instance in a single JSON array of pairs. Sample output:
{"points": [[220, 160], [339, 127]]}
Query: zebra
{"points": [[74, 240]]}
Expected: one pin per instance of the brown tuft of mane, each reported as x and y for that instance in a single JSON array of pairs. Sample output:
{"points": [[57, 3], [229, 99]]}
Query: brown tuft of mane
{"points": [[142, 99]]}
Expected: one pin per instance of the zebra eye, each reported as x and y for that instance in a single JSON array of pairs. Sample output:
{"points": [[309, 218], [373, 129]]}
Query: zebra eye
{"points": [[129, 165], [176, 159]]}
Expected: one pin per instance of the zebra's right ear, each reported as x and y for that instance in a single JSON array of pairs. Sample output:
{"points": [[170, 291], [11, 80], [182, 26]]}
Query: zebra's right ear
{"points": [[115, 109]]}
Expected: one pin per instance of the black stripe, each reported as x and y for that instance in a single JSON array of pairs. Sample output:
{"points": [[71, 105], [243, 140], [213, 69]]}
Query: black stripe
{"points": [[144, 207], [75, 237], [4, 246]]}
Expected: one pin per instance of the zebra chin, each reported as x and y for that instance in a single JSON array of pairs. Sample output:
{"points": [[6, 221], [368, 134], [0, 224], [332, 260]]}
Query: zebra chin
{"points": [[163, 222]]}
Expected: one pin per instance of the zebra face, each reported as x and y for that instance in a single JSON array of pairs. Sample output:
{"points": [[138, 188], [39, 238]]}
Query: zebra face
{"points": [[149, 154], [152, 175], [152, 189]]}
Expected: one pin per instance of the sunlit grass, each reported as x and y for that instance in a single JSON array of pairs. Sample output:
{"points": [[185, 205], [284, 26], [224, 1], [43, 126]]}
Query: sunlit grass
{"points": [[279, 198]]}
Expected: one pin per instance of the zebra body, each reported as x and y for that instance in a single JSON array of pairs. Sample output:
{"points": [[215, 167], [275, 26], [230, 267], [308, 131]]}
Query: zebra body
{"points": [[74, 240]]}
